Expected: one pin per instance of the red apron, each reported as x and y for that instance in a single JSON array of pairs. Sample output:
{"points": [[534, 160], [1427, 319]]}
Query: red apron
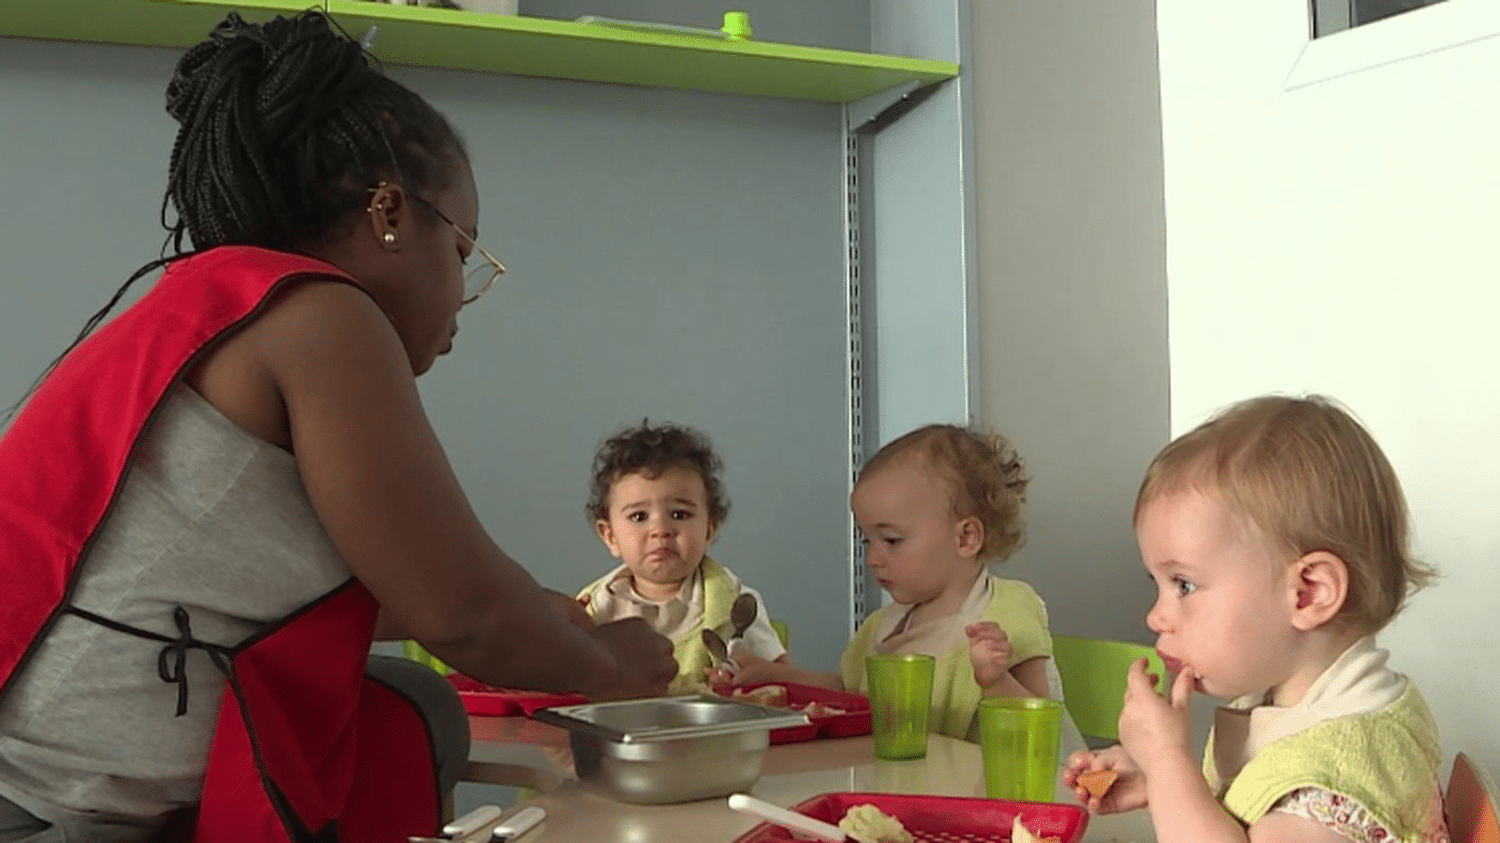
{"points": [[306, 746]]}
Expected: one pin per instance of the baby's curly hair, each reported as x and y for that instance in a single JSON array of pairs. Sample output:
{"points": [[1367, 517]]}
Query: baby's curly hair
{"points": [[651, 451], [986, 474]]}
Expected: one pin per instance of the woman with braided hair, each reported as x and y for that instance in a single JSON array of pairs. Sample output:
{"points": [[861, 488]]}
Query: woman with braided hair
{"points": [[212, 503]]}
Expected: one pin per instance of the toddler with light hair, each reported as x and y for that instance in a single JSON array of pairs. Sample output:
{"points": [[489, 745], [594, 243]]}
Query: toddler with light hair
{"points": [[1276, 534]]}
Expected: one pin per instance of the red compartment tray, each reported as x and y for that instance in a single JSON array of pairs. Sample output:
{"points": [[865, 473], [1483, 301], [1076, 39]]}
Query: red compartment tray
{"points": [[854, 721], [479, 698], [940, 819]]}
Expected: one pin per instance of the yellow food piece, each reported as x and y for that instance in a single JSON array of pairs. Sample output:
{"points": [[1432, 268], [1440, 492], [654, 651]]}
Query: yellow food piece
{"points": [[868, 824]]}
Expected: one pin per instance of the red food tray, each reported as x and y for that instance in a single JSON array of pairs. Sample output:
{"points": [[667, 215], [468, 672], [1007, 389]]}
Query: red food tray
{"points": [[479, 698], [854, 721], [940, 819]]}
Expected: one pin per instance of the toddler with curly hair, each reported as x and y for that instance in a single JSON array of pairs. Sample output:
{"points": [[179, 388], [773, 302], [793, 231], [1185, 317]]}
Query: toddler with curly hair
{"points": [[657, 503]]}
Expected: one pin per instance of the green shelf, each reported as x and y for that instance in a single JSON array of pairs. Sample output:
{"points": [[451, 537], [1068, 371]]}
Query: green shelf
{"points": [[140, 23], [446, 38]]}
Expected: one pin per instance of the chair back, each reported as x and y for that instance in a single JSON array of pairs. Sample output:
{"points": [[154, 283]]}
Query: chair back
{"points": [[1093, 678], [1470, 804], [782, 631]]}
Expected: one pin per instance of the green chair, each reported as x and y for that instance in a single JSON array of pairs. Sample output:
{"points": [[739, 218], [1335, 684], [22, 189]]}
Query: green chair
{"points": [[781, 631], [417, 653], [1093, 679]]}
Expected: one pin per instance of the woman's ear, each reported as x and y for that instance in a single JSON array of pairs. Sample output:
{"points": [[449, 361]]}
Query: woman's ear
{"points": [[1319, 587], [713, 533], [969, 533], [386, 209]]}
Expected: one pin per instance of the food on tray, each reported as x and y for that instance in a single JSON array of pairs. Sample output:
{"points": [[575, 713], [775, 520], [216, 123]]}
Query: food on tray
{"points": [[775, 696], [1019, 834], [1098, 782], [868, 824]]}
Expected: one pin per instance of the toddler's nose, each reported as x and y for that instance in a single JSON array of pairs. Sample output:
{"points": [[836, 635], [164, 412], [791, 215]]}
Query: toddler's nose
{"points": [[1156, 619]]}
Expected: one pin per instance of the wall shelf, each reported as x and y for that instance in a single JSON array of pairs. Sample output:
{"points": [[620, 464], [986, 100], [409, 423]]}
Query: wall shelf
{"points": [[527, 46]]}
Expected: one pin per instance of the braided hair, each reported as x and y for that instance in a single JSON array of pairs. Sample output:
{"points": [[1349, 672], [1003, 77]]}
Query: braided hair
{"points": [[283, 128]]}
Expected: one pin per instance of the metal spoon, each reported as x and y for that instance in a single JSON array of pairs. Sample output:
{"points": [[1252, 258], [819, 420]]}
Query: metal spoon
{"points": [[742, 614], [718, 649]]}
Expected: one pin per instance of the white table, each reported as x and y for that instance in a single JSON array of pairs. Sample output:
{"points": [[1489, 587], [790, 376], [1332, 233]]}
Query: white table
{"points": [[524, 753]]}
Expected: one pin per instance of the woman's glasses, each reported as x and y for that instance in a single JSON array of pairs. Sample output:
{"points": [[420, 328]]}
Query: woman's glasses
{"points": [[482, 277]]}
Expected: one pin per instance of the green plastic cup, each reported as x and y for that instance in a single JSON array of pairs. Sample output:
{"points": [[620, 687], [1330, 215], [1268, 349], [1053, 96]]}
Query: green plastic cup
{"points": [[1018, 738], [900, 699]]}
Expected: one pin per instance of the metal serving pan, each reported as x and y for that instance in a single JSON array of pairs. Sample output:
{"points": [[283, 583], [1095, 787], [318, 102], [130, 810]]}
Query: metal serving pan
{"points": [[669, 749]]}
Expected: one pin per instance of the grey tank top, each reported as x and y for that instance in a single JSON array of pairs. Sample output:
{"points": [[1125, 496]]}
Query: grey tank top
{"points": [[211, 519]]}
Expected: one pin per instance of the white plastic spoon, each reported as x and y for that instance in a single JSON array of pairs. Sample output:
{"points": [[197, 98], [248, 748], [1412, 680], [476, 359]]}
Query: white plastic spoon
{"points": [[747, 804]]}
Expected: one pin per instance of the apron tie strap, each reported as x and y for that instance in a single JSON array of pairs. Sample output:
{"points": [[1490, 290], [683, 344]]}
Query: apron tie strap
{"points": [[172, 659]]}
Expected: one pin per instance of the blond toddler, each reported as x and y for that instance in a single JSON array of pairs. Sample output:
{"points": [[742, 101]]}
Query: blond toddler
{"points": [[934, 507], [1276, 534]]}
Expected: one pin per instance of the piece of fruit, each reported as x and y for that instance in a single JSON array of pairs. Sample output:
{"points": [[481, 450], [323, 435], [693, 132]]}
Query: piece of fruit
{"points": [[1098, 782]]}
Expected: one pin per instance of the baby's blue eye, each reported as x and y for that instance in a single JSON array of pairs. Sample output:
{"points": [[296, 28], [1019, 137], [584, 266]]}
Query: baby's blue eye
{"points": [[1184, 588]]}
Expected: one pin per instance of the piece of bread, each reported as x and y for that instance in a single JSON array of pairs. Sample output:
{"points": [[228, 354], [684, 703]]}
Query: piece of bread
{"points": [[773, 696], [1098, 782], [869, 824], [1020, 834]]}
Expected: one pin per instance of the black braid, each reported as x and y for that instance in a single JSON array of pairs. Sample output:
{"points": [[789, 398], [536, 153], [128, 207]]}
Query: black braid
{"points": [[283, 128]]}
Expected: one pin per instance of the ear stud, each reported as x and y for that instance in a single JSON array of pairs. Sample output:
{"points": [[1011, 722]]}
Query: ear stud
{"points": [[389, 238]]}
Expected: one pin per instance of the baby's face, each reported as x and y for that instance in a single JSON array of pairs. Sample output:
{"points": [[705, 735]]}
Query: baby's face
{"points": [[1223, 605], [904, 512], [659, 527]]}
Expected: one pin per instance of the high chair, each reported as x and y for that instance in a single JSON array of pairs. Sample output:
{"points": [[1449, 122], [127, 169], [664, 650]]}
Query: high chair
{"points": [[1093, 679], [1470, 803]]}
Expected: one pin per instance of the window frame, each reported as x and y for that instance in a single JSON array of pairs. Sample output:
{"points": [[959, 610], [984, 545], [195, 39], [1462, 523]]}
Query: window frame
{"points": [[1419, 32]]}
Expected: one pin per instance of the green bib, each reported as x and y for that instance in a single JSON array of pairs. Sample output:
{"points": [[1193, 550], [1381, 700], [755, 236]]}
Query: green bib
{"points": [[1385, 760], [719, 592]]}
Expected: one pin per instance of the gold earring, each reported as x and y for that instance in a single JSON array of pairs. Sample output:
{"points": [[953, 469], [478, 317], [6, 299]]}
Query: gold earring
{"points": [[389, 238]]}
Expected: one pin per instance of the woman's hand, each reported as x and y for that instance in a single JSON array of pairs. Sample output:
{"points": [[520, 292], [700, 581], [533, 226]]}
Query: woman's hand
{"points": [[643, 660], [989, 652], [1126, 794], [1154, 728], [572, 610]]}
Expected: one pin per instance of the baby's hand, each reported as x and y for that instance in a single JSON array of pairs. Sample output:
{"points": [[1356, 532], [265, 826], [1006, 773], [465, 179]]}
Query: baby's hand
{"points": [[1153, 726], [753, 668], [1126, 794], [989, 652]]}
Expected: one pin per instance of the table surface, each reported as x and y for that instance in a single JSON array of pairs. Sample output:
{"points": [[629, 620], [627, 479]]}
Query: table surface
{"points": [[521, 752]]}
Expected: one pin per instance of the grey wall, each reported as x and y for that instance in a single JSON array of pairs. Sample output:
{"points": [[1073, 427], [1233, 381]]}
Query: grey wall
{"points": [[918, 288], [1072, 291], [672, 255]]}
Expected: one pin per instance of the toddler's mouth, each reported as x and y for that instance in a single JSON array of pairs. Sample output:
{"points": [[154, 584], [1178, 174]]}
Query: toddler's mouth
{"points": [[1173, 665]]}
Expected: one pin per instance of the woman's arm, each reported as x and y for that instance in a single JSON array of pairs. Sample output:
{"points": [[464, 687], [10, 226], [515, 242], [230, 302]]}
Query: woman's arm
{"points": [[384, 491]]}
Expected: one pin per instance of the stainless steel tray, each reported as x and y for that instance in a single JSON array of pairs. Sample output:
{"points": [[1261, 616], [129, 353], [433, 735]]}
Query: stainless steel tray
{"points": [[668, 718]]}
